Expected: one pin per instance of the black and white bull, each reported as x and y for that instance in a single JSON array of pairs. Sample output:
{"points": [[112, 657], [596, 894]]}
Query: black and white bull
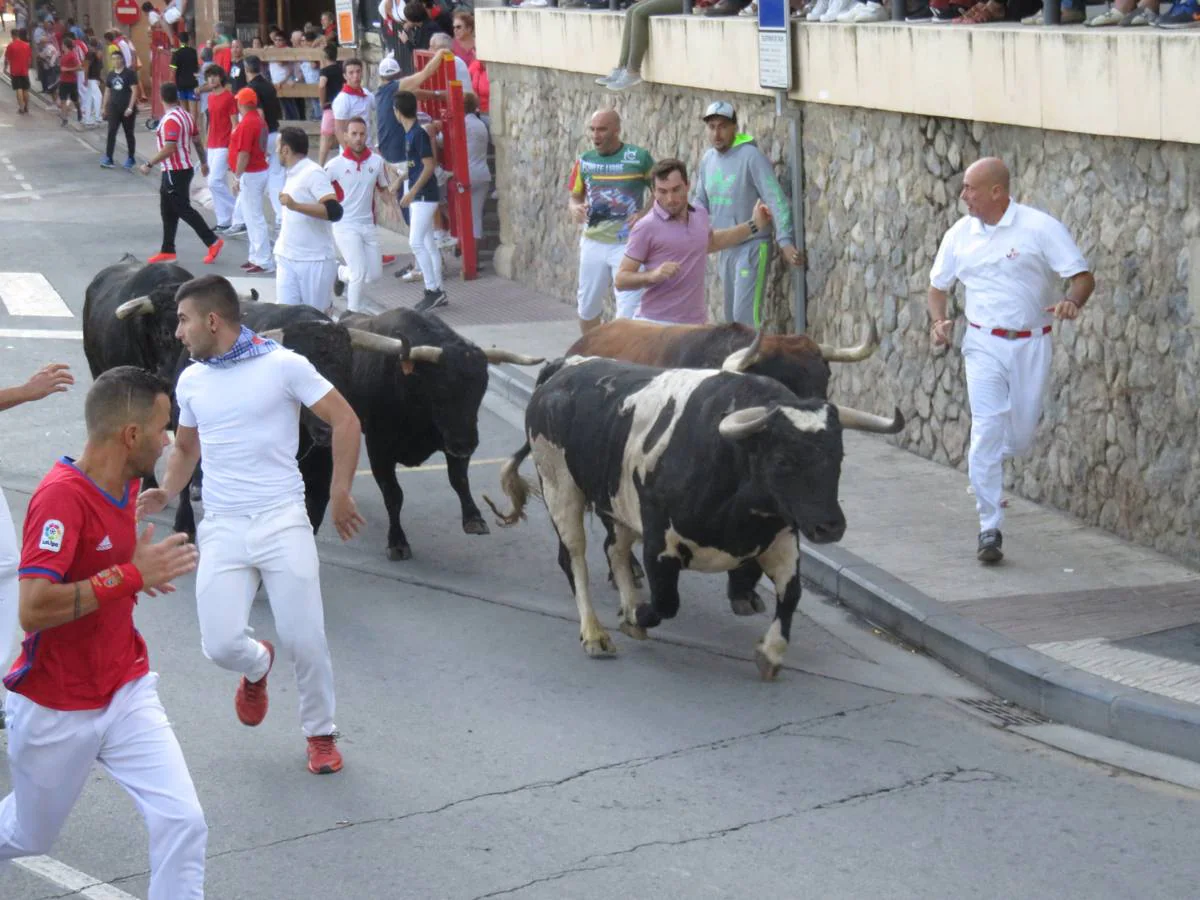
{"points": [[413, 407], [713, 470]]}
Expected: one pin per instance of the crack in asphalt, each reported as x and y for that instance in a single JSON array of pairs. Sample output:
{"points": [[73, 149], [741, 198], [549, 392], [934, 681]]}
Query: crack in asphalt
{"points": [[957, 775]]}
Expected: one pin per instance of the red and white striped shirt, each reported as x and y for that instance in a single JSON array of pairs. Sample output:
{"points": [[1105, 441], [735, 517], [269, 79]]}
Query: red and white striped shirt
{"points": [[177, 125]]}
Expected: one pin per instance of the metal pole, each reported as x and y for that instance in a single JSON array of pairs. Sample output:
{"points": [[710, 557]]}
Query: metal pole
{"points": [[799, 275], [899, 10]]}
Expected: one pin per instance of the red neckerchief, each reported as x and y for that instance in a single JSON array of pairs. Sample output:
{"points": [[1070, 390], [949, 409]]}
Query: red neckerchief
{"points": [[357, 92], [359, 160]]}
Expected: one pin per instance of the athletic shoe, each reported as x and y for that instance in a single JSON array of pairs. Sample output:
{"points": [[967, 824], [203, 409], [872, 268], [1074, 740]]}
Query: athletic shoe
{"points": [[323, 755], [412, 276], [1108, 17], [235, 230], [814, 14], [990, 544], [447, 241], [129, 164], [251, 698], [432, 300], [106, 162], [258, 270], [1185, 14], [388, 259], [921, 14], [339, 287], [625, 81], [220, 230], [439, 299], [612, 76], [214, 251], [1139, 17], [161, 257], [246, 265]]}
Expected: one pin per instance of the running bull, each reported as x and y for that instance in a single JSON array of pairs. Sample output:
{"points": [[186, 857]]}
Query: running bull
{"points": [[416, 405], [712, 470]]}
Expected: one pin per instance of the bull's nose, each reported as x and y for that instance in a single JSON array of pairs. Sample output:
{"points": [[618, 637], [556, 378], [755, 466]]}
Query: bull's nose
{"points": [[827, 533]]}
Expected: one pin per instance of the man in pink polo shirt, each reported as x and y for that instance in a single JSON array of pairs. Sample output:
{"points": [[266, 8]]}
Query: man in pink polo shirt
{"points": [[669, 245]]}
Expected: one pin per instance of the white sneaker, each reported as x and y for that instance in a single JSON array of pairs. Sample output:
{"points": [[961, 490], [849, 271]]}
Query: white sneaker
{"points": [[819, 10], [625, 81], [532, 3], [611, 76], [871, 11], [836, 8], [849, 15]]}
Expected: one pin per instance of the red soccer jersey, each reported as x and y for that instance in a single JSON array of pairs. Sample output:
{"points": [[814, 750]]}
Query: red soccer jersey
{"points": [[250, 136], [69, 66], [73, 530], [19, 55], [220, 108]]}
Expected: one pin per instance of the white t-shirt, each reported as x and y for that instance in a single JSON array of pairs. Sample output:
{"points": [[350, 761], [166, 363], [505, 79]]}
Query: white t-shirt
{"points": [[347, 106], [280, 72], [462, 74], [357, 182], [303, 238], [477, 149], [1011, 270], [248, 416]]}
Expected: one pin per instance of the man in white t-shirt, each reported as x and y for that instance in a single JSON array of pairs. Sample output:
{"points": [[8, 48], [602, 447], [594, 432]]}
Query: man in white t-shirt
{"points": [[351, 100], [357, 175], [305, 255], [462, 74], [1012, 259], [239, 406]]}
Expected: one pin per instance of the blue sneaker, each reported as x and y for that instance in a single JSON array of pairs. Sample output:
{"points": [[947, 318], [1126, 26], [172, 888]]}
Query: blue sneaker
{"points": [[1184, 14], [106, 162], [129, 164]]}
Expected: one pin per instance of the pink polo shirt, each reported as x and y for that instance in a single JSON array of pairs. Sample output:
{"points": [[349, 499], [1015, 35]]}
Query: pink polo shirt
{"points": [[656, 238]]}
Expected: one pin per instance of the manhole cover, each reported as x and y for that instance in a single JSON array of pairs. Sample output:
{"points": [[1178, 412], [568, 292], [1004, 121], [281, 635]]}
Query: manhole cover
{"points": [[1004, 713]]}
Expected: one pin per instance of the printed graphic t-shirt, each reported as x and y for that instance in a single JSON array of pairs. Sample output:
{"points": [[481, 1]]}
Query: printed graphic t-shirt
{"points": [[614, 187]]}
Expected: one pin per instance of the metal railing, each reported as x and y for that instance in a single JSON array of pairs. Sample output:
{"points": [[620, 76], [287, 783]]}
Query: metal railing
{"points": [[1051, 11]]}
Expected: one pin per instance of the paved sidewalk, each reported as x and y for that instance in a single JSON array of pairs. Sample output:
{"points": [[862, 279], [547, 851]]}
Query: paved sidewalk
{"points": [[1075, 625]]}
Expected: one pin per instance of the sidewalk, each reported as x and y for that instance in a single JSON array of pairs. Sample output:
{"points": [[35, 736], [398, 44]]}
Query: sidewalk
{"points": [[1076, 625]]}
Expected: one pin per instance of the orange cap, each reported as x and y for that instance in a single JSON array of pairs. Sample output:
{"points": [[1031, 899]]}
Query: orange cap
{"points": [[247, 97]]}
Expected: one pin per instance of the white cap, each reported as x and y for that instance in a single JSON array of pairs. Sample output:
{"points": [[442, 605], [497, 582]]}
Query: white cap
{"points": [[388, 67], [720, 108]]}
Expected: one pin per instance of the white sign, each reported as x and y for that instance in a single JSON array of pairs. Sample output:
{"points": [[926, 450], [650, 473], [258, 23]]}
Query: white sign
{"points": [[775, 60]]}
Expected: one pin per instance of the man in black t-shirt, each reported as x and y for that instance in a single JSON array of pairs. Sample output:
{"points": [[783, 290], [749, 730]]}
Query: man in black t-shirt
{"points": [[186, 65], [119, 108], [330, 84]]}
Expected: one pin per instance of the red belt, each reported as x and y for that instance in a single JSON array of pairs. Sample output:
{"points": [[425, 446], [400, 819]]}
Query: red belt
{"points": [[1009, 333]]}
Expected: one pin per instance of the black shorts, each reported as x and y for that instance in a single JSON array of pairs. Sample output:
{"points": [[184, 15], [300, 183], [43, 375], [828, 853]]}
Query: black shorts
{"points": [[68, 91], [20, 82]]}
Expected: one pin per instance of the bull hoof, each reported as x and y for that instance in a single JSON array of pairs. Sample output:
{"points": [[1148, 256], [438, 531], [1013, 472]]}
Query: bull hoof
{"points": [[766, 667], [475, 526], [633, 631], [747, 604], [599, 647], [398, 554], [646, 617]]}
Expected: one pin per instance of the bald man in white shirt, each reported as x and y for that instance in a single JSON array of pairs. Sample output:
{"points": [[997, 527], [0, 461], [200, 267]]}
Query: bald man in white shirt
{"points": [[1012, 260]]}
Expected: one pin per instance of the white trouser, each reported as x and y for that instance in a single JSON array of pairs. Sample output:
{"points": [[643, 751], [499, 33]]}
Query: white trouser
{"points": [[218, 169], [479, 195], [279, 546], [251, 188], [276, 176], [50, 756], [359, 246], [598, 265], [10, 556], [307, 282], [1005, 382], [424, 244], [90, 97]]}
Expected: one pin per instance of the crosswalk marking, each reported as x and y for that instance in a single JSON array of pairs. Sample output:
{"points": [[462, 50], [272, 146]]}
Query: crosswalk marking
{"points": [[41, 334], [30, 294]]}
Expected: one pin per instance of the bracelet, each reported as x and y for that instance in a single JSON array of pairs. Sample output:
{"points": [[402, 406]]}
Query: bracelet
{"points": [[116, 582], [753, 227]]}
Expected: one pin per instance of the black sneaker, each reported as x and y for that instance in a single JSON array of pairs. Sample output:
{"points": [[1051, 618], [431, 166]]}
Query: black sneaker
{"points": [[439, 299], [990, 542], [921, 14], [426, 303], [944, 15], [339, 287]]}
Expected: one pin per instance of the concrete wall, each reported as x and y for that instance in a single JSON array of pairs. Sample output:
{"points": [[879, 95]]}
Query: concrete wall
{"points": [[1118, 445]]}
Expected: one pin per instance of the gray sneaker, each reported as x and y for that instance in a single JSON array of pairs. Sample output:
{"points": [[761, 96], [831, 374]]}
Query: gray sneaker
{"points": [[611, 76], [1140, 16], [625, 81], [235, 230]]}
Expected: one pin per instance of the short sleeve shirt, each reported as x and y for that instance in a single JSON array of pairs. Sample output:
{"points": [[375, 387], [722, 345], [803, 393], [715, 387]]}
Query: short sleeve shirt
{"points": [[70, 64], [120, 84], [334, 81], [347, 106], [417, 148], [250, 136], [1011, 270], [613, 187], [19, 55], [301, 237], [73, 531], [656, 238], [186, 64], [222, 107], [354, 182]]}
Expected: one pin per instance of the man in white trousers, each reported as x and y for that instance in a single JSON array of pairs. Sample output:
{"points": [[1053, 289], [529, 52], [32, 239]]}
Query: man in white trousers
{"points": [[240, 409], [248, 150], [420, 198], [357, 175], [52, 379], [81, 691], [305, 255], [222, 118], [1011, 258]]}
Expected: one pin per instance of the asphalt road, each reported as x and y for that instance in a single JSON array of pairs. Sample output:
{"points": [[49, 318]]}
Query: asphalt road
{"points": [[487, 757]]}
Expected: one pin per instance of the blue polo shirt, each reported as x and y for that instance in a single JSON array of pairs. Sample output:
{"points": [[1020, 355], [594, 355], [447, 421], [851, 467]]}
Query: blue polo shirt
{"points": [[417, 147], [391, 133]]}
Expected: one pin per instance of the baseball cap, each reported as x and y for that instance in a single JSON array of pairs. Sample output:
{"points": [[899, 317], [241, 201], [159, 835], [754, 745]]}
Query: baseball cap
{"points": [[720, 108], [247, 97], [389, 67]]}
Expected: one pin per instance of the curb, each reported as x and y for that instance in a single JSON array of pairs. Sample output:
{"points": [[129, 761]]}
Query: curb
{"points": [[1012, 671]]}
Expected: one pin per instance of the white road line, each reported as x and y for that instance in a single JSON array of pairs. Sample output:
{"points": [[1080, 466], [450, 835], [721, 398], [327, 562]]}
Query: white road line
{"points": [[41, 334], [10, 167], [26, 186], [30, 294], [65, 877]]}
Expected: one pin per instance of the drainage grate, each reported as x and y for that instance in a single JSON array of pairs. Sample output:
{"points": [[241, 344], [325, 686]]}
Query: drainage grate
{"points": [[1005, 714]]}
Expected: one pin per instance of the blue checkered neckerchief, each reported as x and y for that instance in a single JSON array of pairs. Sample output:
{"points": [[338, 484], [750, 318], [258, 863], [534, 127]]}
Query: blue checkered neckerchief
{"points": [[247, 346]]}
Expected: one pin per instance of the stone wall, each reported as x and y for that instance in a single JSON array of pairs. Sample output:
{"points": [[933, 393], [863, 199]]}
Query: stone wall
{"points": [[1118, 445]]}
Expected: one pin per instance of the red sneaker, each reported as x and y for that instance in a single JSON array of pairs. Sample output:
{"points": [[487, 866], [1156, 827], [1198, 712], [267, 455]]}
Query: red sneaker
{"points": [[388, 259], [214, 251], [251, 699], [323, 755], [247, 265], [161, 257]]}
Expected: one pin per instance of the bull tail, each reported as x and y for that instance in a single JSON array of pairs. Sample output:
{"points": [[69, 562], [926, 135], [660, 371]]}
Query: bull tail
{"points": [[517, 488]]}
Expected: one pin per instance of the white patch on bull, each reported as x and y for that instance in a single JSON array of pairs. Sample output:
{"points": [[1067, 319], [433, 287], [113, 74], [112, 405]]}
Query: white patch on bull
{"points": [[579, 360], [779, 563], [773, 644], [702, 559], [807, 420]]}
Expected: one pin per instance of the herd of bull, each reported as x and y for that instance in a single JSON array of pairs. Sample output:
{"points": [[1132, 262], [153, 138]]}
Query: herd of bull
{"points": [[714, 446]]}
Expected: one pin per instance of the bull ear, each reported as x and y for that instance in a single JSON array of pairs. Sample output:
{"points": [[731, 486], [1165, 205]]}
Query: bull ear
{"points": [[426, 354], [138, 306], [742, 360], [745, 422], [253, 296], [857, 420], [498, 355], [857, 353], [380, 343]]}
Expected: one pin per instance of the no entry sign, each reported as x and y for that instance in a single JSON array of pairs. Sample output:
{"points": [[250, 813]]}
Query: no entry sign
{"points": [[126, 12]]}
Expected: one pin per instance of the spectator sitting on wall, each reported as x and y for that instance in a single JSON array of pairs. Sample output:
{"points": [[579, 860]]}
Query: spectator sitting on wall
{"points": [[1071, 12], [1127, 12], [635, 40], [1183, 14], [462, 74]]}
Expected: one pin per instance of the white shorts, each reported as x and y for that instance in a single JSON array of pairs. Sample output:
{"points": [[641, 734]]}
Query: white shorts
{"points": [[598, 265], [308, 282]]}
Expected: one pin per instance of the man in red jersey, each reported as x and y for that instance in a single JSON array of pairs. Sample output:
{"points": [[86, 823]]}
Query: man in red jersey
{"points": [[248, 159], [17, 57], [82, 690], [222, 116], [70, 65]]}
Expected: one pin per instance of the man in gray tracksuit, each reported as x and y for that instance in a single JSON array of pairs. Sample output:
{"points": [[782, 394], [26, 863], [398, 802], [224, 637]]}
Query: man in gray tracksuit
{"points": [[733, 175]]}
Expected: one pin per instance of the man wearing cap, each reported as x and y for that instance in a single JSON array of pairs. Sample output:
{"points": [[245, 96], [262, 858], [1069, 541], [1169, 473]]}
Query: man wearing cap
{"points": [[733, 175], [248, 159]]}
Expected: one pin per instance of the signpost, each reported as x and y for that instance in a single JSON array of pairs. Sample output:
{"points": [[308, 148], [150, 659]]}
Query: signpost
{"points": [[774, 45], [346, 32]]}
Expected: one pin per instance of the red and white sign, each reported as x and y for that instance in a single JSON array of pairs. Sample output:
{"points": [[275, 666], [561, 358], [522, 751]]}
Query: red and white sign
{"points": [[127, 12]]}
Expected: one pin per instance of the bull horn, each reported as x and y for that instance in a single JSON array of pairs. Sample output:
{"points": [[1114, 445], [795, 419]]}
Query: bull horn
{"points": [[425, 354], [857, 420], [499, 355], [379, 343], [869, 345], [138, 306], [745, 422], [742, 360], [275, 334]]}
